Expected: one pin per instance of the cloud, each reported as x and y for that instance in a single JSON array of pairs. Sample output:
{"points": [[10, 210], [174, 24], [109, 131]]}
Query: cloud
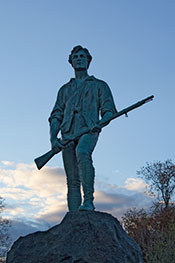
{"points": [[20, 228], [118, 203], [135, 184], [32, 192], [36, 200], [8, 163]]}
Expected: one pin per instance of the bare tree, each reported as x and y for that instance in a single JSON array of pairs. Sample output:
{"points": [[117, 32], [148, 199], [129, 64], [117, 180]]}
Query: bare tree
{"points": [[5, 240], [160, 177]]}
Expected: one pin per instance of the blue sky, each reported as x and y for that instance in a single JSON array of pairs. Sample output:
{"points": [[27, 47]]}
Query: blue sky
{"points": [[132, 44]]}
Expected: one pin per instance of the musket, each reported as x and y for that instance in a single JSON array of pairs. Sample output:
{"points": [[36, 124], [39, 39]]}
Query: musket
{"points": [[42, 160]]}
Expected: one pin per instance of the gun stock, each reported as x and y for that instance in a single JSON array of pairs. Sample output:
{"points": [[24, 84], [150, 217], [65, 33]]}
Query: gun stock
{"points": [[42, 160]]}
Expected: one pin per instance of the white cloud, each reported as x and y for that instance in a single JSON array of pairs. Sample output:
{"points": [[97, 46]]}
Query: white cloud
{"points": [[24, 186], [135, 184], [44, 182], [18, 210], [15, 193], [8, 163]]}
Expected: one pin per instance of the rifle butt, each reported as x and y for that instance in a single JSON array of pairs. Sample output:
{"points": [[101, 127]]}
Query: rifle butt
{"points": [[43, 159]]}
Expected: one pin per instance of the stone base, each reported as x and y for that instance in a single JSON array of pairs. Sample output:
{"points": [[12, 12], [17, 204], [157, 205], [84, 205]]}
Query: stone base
{"points": [[81, 237]]}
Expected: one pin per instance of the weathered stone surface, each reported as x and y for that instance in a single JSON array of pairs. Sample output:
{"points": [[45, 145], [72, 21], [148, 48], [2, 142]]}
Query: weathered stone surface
{"points": [[82, 237]]}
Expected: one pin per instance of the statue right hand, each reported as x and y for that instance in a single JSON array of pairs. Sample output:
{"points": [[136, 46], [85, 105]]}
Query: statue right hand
{"points": [[56, 145]]}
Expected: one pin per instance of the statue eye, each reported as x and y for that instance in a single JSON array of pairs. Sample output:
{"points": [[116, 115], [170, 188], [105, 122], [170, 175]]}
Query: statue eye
{"points": [[75, 56], [82, 56]]}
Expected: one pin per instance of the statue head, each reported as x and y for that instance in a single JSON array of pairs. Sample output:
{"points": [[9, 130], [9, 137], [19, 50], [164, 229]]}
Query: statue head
{"points": [[77, 49]]}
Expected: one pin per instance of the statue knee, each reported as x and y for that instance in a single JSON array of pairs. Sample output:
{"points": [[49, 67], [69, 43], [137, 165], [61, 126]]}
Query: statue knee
{"points": [[82, 155], [73, 183]]}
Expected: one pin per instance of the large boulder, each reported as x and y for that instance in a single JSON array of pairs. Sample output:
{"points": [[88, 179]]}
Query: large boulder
{"points": [[81, 237]]}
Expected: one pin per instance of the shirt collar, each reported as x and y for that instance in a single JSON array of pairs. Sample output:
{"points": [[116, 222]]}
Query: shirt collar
{"points": [[89, 78]]}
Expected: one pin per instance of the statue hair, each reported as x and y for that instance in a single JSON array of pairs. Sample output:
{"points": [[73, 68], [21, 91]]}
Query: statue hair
{"points": [[78, 48]]}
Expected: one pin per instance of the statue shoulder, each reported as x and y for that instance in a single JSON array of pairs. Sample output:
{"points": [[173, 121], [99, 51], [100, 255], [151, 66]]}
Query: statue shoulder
{"points": [[100, 82], [64, 87]]}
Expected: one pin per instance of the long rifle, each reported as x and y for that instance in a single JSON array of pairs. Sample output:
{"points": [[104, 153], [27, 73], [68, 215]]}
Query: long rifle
{"points": [[42, 160]]}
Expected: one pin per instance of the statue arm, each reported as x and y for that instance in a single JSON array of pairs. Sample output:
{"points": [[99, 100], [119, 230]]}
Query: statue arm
{"points": [[107, 105], [106, 117], [54, 130], [55, 121], [58, 109], [106, 99]]}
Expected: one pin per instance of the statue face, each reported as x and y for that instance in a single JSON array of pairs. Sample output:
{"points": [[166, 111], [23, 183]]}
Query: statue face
{"points": [[79, 60]]}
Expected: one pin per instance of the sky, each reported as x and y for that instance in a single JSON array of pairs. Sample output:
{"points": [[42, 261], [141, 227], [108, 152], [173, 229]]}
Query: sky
{"points": [[132, 45]]}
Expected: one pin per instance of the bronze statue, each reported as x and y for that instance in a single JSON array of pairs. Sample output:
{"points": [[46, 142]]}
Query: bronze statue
{"points": [[77, 107], [76, 115]]}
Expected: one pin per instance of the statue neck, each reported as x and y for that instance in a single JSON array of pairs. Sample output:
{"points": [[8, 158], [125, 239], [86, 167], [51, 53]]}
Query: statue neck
{"points": [[81, 74]]}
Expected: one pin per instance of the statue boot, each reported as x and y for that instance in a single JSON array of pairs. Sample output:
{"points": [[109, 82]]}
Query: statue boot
{"points": [[86, 171], [74, 199]]}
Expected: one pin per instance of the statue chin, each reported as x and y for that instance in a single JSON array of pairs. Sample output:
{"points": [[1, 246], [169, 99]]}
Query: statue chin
{"points": [[80, 68]]}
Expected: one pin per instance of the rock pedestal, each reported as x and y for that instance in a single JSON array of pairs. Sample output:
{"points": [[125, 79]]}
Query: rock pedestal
{"points": [[81, 237]]}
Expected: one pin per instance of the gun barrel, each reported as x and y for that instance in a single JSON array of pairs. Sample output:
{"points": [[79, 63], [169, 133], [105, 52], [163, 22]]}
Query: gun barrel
{"points": [[126, 110], [149, 98]]}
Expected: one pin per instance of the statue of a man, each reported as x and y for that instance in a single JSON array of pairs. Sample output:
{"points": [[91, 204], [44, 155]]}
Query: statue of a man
{"points": [[77, 107]]}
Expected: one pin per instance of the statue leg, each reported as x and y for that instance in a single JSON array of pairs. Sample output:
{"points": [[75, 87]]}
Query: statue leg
{"points": [[84, 149], [73, 179]]}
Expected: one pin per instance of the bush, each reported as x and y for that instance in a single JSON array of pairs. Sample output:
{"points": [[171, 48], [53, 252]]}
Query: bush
{"points": [[154, 232]]}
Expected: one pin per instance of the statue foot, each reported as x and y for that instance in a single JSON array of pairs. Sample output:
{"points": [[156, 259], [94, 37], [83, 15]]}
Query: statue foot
{"points": [[87, 206]]}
